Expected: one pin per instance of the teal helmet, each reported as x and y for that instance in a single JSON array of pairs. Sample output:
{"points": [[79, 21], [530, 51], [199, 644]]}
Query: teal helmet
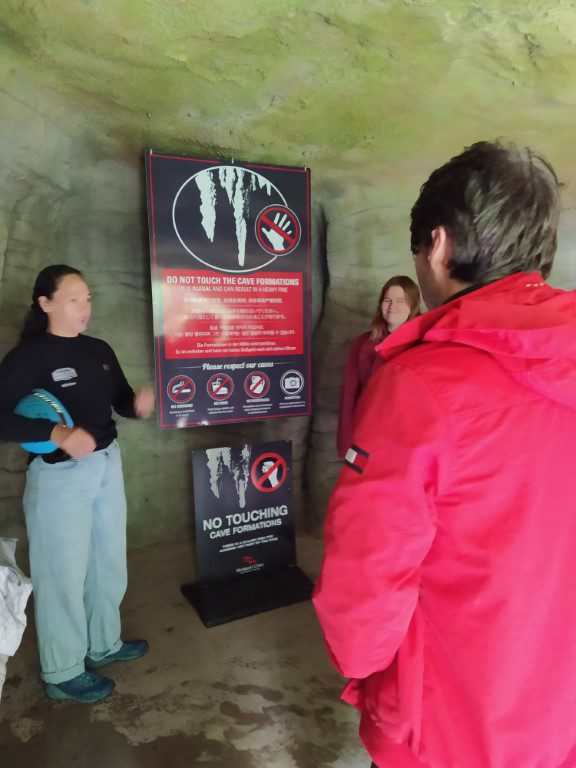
{"points": [[41, 404]]}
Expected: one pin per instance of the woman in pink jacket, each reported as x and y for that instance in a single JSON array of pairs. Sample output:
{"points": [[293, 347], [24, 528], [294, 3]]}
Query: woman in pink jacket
{"points": [[398, 302]]}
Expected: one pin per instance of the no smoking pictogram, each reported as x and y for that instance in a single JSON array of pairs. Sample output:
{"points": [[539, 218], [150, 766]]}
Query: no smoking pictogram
{"points": [[256, 384], [181, 389], [220, 386], [277, 230], [269, 472]]}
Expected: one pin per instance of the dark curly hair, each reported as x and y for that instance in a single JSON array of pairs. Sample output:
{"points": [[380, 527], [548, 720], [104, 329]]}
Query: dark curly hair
{"points": [[500, 206]]}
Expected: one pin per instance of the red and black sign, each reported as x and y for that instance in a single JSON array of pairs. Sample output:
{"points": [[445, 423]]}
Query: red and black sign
{"points": [[278, 230], [220, 386], [230, 264], [181, 389], [256, 384]]}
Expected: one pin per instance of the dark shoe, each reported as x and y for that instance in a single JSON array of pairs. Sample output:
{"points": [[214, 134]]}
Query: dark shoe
{"points": [[127, 652], [85, 688]]}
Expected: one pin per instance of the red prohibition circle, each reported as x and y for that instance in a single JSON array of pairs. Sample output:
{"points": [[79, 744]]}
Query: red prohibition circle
{"points": [[181, 389], [247, 385], [214, 387], [279, 461], [278, 224]]}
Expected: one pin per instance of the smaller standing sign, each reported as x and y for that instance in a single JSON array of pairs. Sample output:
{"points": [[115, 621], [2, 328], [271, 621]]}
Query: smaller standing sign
{"points": [[245, 532]]}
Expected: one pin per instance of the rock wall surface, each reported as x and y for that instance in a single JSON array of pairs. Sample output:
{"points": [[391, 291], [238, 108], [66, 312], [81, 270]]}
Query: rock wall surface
{"points": [[372, 95]]}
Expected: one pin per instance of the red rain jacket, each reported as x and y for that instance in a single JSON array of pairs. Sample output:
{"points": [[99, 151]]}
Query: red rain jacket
{"points": [[448, 588]]}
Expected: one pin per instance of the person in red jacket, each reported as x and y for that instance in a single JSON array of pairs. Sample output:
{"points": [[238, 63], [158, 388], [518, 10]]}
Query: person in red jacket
{"points": [[447, 594], [398, 302]]}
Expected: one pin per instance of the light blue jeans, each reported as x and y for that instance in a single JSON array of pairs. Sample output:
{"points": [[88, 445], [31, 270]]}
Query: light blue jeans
{"points": [[76, 521]]}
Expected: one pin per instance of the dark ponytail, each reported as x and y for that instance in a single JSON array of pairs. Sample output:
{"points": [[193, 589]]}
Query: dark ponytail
{"points": [[46, 284]]}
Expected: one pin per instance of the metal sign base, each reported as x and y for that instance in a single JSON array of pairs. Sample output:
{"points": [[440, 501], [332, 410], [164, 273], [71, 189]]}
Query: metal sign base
{"points": [[238, 598]]}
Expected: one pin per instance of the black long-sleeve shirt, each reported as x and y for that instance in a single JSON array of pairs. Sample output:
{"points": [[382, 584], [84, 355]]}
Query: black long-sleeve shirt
{"points": [[82, 372]]}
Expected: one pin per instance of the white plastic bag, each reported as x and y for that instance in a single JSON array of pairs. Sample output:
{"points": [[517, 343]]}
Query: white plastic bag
{"points": [[15, 589]]}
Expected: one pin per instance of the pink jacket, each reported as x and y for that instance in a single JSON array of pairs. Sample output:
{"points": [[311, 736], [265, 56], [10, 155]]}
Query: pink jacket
{"points": [[362, 362], [448, 588]]}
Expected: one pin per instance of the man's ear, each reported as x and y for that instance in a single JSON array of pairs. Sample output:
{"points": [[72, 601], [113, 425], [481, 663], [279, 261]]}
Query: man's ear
{"points": [[440, 252]]}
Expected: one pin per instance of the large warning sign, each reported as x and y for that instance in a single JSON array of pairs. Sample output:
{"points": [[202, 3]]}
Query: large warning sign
{"points": [[230, 264]]}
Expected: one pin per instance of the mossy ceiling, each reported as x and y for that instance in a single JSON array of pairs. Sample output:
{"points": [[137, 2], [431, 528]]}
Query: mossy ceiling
{"points": [[328, 82]]}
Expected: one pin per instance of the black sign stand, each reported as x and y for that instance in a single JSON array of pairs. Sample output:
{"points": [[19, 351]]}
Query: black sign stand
{"points": [[238, 598], [245, 533]]}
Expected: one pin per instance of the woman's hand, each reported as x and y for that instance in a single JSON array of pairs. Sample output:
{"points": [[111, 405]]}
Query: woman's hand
{"points": [[75, 441], [144, 403]]}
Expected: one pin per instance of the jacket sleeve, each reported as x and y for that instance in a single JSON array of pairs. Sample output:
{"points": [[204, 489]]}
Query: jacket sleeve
{"points": [[380, 524], [350, 394]]}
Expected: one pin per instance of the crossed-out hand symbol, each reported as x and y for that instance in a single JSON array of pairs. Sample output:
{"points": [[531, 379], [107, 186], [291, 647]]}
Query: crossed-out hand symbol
{"points": [[282, 221]]}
